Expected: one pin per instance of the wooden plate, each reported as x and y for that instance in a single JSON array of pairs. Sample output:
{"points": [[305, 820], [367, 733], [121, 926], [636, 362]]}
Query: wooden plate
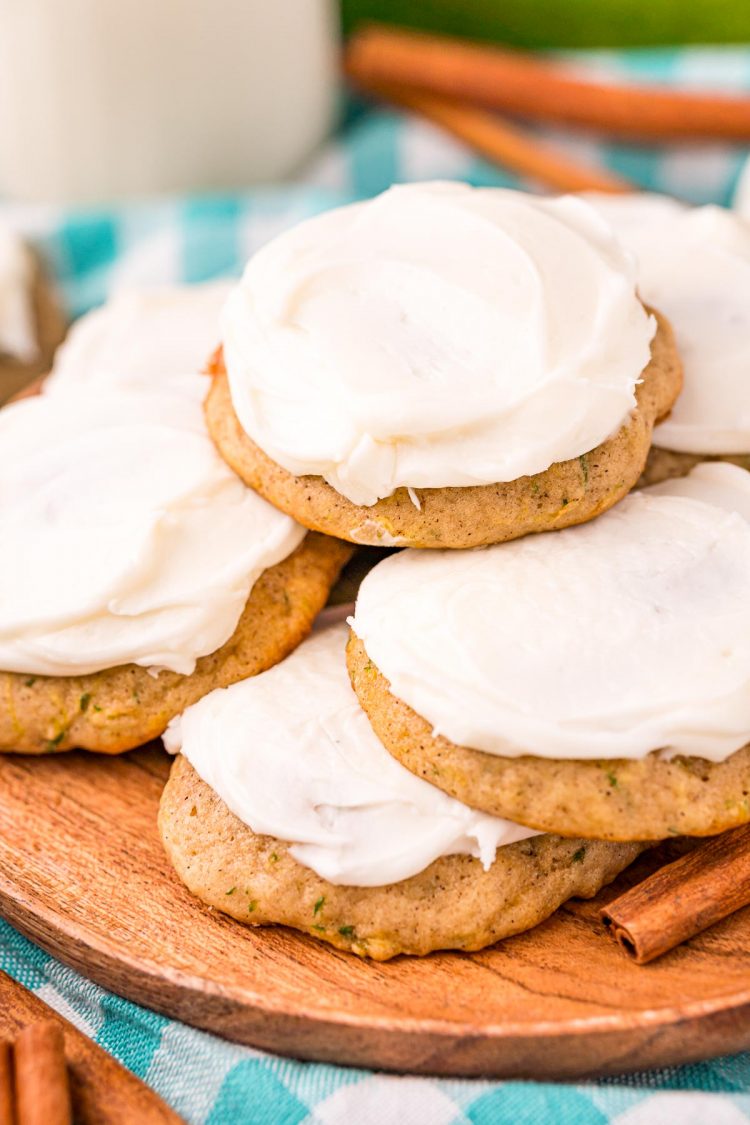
{"points": [[82, 872]]}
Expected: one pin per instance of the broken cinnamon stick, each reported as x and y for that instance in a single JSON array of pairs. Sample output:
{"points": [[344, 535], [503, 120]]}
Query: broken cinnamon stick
{"points": [[683, 898], [523, 84], [6, 1084], [504, 144], [41, 1076]]}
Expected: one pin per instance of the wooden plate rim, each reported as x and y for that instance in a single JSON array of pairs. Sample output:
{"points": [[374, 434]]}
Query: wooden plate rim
{"points": [[656, 1018]]}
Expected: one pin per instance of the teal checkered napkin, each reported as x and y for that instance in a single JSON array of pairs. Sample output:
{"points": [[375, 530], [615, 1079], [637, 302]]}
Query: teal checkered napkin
{"points": [[91, 253], [211, 1082]]}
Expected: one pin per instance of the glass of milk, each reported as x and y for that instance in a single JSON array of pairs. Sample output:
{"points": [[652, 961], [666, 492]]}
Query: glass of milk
{"points": [[101, 99]]}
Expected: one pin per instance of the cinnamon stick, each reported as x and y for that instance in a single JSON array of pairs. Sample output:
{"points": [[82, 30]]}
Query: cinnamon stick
{"points": [[523, 84], [6, 1083], [41, 1076], [504, 144], [683, 898], [102, 1089]]}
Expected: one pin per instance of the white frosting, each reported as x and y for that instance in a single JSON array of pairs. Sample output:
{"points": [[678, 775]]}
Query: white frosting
{"points": [[694, 265], [438, 335], [622, 636], [293, 755], [141, 337], [17, 329], [125, 538]]}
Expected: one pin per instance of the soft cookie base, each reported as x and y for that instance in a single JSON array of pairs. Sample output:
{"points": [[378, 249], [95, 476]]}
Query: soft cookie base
{"points": [[567, 493], [648, 799], [453, 904]]}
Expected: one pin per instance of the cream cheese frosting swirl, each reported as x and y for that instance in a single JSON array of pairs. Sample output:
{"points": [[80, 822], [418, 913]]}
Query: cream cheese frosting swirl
{"points": [[438, 335], [626, 635], [694, 265], [292, 754], [125, 538], [141, 337]]}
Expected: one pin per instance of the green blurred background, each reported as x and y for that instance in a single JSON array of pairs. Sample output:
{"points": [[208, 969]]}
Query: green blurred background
{"points": [[566, 23]]}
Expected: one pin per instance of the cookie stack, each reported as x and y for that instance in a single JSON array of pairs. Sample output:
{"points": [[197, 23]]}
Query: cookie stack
{"points": [[442, 369]]}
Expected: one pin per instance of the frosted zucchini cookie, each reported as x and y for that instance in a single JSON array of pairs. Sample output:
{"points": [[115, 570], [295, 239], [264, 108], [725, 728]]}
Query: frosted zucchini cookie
{"points": [[443, 366], [137, 571], [285, 808], [590, 683], [694, 265]]}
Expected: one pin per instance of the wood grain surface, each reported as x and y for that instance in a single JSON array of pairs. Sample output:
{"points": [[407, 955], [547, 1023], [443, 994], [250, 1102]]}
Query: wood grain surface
{"points": [[101, 1090], [83, 873]]}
